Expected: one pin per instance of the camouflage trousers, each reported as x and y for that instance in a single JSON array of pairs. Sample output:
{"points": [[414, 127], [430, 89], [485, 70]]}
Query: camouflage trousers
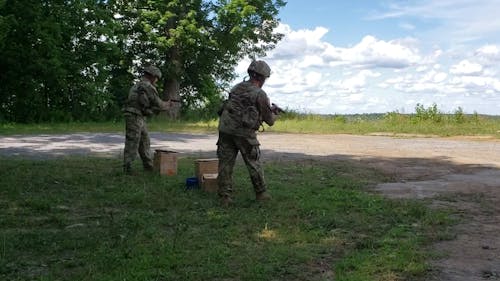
{"points": [[228, 147], [136, 141]]}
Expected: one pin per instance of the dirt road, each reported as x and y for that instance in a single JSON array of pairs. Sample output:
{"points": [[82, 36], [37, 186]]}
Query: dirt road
{"points": [[459, 173]]}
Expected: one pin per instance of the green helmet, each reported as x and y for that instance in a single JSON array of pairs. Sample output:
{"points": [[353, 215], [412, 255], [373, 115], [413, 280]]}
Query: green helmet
{"points": [[153, 70], [260, 67]]}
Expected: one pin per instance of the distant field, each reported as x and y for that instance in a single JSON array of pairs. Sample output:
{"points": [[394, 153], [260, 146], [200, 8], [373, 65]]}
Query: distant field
{"points": [[390, 123]]}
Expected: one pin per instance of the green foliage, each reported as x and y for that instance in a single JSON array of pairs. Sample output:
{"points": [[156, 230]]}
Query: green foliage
{"points": [[425, 122], [395, 117], [204, 105], [341, 119], [5, 22], [198, 43], [59, 58], [292, 122], [459, 115], [75, 60], [82, 219], [431, 114]]}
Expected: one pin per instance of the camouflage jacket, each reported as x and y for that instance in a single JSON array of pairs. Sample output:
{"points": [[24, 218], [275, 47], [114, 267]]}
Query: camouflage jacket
{"points": [[143, 99], [245, 110]]}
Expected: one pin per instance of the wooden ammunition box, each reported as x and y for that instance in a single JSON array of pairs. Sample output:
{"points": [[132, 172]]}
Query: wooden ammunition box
{"points": [[206, 166], [209, 182], [165, 162]]}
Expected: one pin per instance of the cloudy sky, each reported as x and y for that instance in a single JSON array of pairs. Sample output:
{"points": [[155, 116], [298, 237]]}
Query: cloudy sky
{"points": [[377, 56]]}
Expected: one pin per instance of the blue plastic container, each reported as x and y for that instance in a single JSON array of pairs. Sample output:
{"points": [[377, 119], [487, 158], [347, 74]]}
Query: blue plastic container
{"points": [[192, 183]]}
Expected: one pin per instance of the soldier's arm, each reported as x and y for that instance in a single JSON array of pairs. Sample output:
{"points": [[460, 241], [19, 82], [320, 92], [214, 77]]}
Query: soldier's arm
{"points": [[156, 102], [266, 112]]}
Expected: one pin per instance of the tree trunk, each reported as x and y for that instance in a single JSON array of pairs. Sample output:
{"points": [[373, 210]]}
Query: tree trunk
{"points": [[171, 85], [171, 91]]}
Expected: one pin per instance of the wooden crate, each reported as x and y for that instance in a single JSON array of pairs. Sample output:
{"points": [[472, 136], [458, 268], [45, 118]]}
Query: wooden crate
{"points": [[165, 162], [209, 182], [206, 166]]}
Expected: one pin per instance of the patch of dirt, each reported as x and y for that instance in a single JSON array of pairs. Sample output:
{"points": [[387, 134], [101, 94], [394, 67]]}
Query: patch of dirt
{"points": [[462, 173], [474, 194]]}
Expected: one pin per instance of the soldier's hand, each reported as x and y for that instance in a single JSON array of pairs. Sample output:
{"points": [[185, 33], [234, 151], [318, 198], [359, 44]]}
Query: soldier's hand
{"points": [[273, 108], [276, 109]]}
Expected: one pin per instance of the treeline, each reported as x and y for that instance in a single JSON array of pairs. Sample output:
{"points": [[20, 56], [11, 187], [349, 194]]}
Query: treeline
{"points": [[430, 114], [64, 60]]}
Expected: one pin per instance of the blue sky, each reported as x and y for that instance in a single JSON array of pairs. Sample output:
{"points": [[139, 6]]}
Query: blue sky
{"points": [[343, 57]]}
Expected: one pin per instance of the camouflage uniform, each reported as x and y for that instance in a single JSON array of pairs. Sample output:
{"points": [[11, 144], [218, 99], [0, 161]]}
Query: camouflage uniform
{"points": [[143, 101], [242, 115]]}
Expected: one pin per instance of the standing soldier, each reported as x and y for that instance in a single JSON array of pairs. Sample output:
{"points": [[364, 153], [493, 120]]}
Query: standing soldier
{"points": [[142, 102], [240, 118]]}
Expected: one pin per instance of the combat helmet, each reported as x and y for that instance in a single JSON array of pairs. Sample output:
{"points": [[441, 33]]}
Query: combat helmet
{"points": [[153, 70], [260, 67]]}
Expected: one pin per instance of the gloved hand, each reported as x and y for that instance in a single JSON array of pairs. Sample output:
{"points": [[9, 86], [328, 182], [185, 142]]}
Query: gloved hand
{"points": [[276, 109]]}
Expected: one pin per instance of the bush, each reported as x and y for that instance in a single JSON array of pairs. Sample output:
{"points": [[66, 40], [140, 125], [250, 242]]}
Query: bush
{"points": [[459, 116], [394, 117], [340, 119], [427, 114]]}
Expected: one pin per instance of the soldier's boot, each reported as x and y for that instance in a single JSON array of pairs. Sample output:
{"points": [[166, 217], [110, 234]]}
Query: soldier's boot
{"points": [[263, 196], [226, 201]]}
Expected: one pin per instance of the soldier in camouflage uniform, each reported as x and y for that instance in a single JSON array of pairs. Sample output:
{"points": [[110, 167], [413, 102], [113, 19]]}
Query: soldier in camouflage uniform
{"points": [[143, 101], [240, 117]]}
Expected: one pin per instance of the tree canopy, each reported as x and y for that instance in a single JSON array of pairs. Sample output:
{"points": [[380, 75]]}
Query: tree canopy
{"points": [[75, 60]]}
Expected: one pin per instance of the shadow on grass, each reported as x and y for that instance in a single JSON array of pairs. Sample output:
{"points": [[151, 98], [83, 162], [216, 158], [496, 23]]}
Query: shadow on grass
{"points": [[78, 217]]}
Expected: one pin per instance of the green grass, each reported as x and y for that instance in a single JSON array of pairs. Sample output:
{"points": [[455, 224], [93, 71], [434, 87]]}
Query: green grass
{"points": [[156, 124], [81, 219], [390, 123]]}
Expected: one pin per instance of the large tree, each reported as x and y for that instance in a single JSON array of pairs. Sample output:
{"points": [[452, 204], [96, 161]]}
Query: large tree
{"points": [[198, 43], [74, 60], [56, 58]]}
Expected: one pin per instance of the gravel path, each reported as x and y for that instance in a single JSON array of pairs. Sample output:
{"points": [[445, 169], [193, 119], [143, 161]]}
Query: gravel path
{"points": [[456, 150]]}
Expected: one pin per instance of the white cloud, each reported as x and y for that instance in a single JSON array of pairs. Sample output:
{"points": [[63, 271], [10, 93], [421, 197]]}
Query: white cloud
{"points": [[312, 75], [308, 47], [372, 52], [477, 85], [311, 60], [490, 51], [466, 67], [356, 83], [422, 68], [489, 56], [301, 42], [313, 78], [440, 77], [379, 53]]}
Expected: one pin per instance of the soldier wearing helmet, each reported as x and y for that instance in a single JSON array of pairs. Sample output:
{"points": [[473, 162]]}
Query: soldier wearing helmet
{"points": [[259, 70], [142, 102], [240, 118], [153, 70]]}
